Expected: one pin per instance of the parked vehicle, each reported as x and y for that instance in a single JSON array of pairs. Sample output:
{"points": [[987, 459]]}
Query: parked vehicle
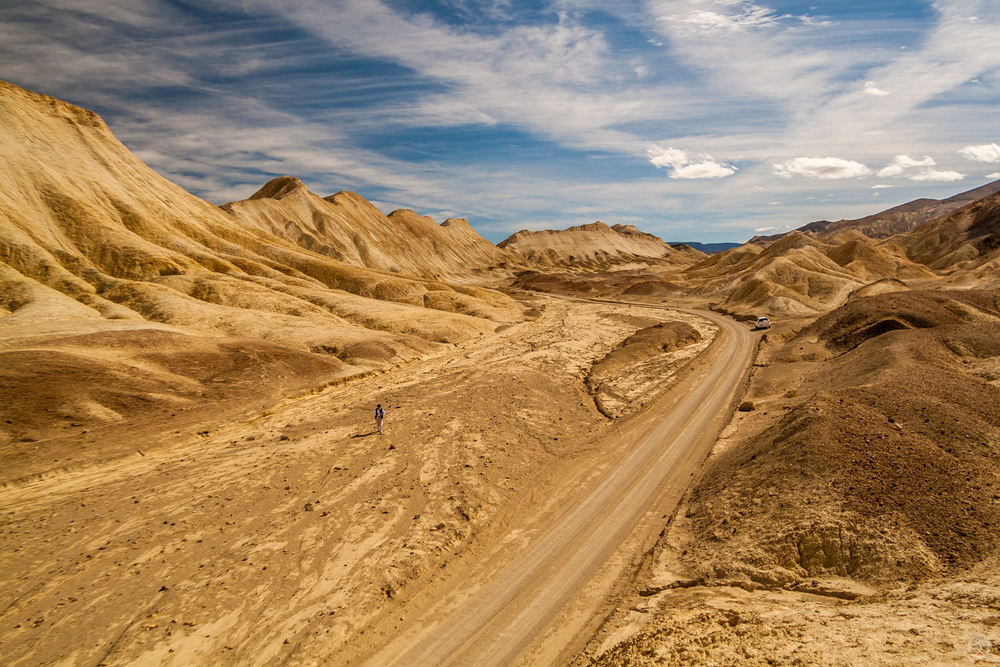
{"points": [[763, 322]]}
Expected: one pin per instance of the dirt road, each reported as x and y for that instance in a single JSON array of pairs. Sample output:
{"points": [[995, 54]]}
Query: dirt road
{"points": [[515, 612], [294, 535], [492, 505]]}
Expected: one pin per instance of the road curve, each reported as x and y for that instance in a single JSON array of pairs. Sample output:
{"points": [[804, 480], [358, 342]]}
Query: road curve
{"points": [[509, 611]]}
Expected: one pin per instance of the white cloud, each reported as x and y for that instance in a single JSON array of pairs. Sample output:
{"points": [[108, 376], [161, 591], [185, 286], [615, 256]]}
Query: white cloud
{"points": [[903, 163], [938, 175], [995, 174], [684, 165], [765, 229], [981, 153], [705, 169], [904, 166], [881, 186], [831, 168], [872, 89]]}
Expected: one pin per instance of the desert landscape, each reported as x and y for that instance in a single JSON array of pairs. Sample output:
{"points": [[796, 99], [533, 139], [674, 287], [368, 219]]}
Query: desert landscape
{"points": [[591, 455]]}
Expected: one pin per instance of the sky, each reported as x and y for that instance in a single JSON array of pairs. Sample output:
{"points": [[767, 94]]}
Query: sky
{"points": [[696, 120]]}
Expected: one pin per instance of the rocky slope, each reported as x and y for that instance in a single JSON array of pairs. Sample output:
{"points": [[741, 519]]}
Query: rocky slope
{"points": [[347, 227]]}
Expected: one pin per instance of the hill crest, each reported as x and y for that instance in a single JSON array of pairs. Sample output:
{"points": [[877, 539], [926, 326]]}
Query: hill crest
{"points": [[595, 246]]}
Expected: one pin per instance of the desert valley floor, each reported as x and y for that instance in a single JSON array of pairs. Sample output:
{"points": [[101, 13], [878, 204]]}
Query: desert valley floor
{"points": [[590, 454]]}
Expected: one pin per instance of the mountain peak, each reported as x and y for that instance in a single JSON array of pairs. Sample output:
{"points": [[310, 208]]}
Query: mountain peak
{"points": [[279, 188]]}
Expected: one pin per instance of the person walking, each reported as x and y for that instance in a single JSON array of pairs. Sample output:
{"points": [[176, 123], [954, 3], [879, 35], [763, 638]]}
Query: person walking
{"points": [[379, 416]]}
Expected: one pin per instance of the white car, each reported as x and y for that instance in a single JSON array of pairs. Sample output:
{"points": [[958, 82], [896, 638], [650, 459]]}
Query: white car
{"points": [[763, 322]]}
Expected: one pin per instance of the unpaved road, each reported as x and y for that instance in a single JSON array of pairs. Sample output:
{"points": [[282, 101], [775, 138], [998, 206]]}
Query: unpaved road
{"points": [[294, 535], [517, 614], [493, 505]]}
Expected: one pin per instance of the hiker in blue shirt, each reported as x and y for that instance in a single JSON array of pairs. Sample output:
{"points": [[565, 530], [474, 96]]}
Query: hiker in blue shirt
{"points": [[379, 416]]}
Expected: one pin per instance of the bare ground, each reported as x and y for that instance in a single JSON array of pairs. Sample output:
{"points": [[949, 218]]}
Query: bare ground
{"points": [[279, 535], [849, 515]]}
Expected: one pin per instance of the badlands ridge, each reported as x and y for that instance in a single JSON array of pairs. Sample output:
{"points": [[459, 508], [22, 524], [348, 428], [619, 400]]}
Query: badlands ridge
{"points": [[190, 473]]}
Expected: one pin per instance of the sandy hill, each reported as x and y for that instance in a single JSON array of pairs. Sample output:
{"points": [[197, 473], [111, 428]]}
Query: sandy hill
{"points": [[896, 220], [964, 246], [879, 482], [347, 227], [140, 298], [849, 509], [596, 246], [960, 249], [799, 274]]}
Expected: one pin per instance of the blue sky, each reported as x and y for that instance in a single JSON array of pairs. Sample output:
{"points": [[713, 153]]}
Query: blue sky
{"points": [[702, 120]]}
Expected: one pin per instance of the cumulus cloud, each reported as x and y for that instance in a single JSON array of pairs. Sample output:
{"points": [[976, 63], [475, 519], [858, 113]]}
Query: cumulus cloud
{"points": [[939, 175], [685, 165], [881, 186], [904, 166], [828, 168], [995, 174], [902, 163], [981, 153], [872, 89]]}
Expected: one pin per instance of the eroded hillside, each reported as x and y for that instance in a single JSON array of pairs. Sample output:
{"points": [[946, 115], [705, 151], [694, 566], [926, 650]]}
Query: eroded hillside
{"points": [[347, 227], [597, 246], [867, 468], [147, 301]]}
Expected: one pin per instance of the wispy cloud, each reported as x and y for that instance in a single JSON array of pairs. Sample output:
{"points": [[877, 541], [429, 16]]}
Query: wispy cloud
{"points": [[490, 109], [723, 17]]}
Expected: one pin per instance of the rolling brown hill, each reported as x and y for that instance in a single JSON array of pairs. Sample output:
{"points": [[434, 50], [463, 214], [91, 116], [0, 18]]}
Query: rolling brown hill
{"points": [[347, 227], [851, 509], [963, 246], [896, 220], [143, 299], [799, 275], [959, 249], [597, 246]]}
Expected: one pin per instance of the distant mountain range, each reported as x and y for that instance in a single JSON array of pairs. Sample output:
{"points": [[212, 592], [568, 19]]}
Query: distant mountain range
{"points": [[897, 220], [707, 248]]}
